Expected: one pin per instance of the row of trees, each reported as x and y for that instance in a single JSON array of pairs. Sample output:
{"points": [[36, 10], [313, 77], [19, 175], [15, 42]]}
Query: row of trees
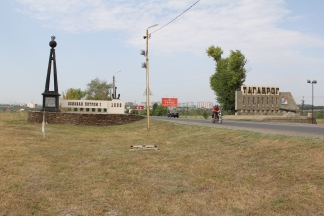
{"points": [[229, 75], [157, 110], [309, 107], [96, 90]]}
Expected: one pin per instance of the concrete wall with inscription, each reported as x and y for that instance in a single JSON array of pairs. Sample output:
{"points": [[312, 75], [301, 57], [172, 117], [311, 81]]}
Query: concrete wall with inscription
{"points": [[263, 100], [114, 106]]}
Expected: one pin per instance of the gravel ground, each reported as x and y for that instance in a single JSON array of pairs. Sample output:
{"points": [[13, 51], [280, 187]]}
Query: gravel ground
{"points": [[265, 131]]}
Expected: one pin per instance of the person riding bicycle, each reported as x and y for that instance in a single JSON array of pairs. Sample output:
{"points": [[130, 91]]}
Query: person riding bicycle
{"points": [[215, 111]]}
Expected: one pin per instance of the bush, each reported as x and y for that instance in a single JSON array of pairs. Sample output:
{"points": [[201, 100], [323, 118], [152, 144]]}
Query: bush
{"points": [[319, 114], [205, 114]]}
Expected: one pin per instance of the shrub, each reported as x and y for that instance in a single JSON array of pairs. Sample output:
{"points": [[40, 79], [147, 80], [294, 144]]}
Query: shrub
{"points": [[205, 114]]}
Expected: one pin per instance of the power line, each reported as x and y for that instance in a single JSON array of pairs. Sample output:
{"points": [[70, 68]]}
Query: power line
{"points": [[181, 80], [310, 97], [171, 81], [176, 17]]}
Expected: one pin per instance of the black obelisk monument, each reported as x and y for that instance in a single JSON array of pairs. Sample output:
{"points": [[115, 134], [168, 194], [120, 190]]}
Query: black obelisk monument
{"points": [[51, 98]]}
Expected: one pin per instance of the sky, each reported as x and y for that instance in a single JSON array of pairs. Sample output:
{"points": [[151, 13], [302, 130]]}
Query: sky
{"points": [[283, 42]]}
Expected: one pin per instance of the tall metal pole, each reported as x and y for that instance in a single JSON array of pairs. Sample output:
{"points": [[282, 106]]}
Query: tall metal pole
{"points": [[147, 83], [148, 79], [312, 103], [312, 82], [114, 87], [303, 106], [113, 96]]}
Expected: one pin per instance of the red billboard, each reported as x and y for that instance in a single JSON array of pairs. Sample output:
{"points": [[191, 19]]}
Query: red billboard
{"points": [[172, 102], [139, 107]]}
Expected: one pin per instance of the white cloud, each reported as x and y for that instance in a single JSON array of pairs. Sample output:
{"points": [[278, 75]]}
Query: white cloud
{"points": [[247, 25]]}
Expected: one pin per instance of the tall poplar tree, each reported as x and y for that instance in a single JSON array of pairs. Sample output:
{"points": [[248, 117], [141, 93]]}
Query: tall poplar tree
{"points": [[229, 75]]}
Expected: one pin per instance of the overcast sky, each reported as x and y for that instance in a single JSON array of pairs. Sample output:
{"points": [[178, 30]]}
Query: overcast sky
{"points": [[282, 40]]}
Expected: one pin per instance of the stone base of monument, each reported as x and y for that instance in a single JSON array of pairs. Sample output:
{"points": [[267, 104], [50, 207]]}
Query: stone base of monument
{"points": [[143, 147], [83, 118]]}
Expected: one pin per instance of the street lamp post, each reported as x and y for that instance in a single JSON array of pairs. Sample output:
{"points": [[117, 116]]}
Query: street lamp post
{"points": [[312, 82], [147, 77]]}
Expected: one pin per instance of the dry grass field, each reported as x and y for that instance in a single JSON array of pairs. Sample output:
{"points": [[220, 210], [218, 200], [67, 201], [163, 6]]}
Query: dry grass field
{"points": [[320, 121], [80, 170]]}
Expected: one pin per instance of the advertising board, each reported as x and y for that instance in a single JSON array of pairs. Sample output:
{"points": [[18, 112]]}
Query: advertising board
{"points": [[172, 102], [139, 108]]}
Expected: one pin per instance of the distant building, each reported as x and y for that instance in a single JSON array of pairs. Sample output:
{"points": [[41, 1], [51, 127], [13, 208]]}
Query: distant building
{"points": [[186, 104], [143, 104], [129, 104], [151, 104], [207, 105], [32, 105]]}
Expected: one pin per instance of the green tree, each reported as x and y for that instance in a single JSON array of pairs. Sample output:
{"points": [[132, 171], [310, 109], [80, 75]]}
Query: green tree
{"points": [[135, 112], [161, 110], [158, 110], [230, 74], [98, 90], [155, 105], [73, 94]]}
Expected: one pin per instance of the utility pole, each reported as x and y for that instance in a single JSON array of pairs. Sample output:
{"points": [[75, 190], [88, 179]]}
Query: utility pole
{"points": [[147, 83], [147, 77], [312, 82], [303, 106]]}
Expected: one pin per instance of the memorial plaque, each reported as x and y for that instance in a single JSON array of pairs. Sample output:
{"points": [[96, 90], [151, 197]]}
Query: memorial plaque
{"points": [[50, 102]]}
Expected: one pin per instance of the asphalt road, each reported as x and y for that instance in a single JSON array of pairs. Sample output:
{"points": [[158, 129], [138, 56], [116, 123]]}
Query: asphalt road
{"points": [[284, 128]]}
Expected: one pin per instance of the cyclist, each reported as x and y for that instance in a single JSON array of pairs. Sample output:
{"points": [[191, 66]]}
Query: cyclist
{"points": [[215, 111]]}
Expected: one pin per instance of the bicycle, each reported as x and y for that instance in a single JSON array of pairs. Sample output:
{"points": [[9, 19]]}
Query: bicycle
{"points": [[217, 118]]}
